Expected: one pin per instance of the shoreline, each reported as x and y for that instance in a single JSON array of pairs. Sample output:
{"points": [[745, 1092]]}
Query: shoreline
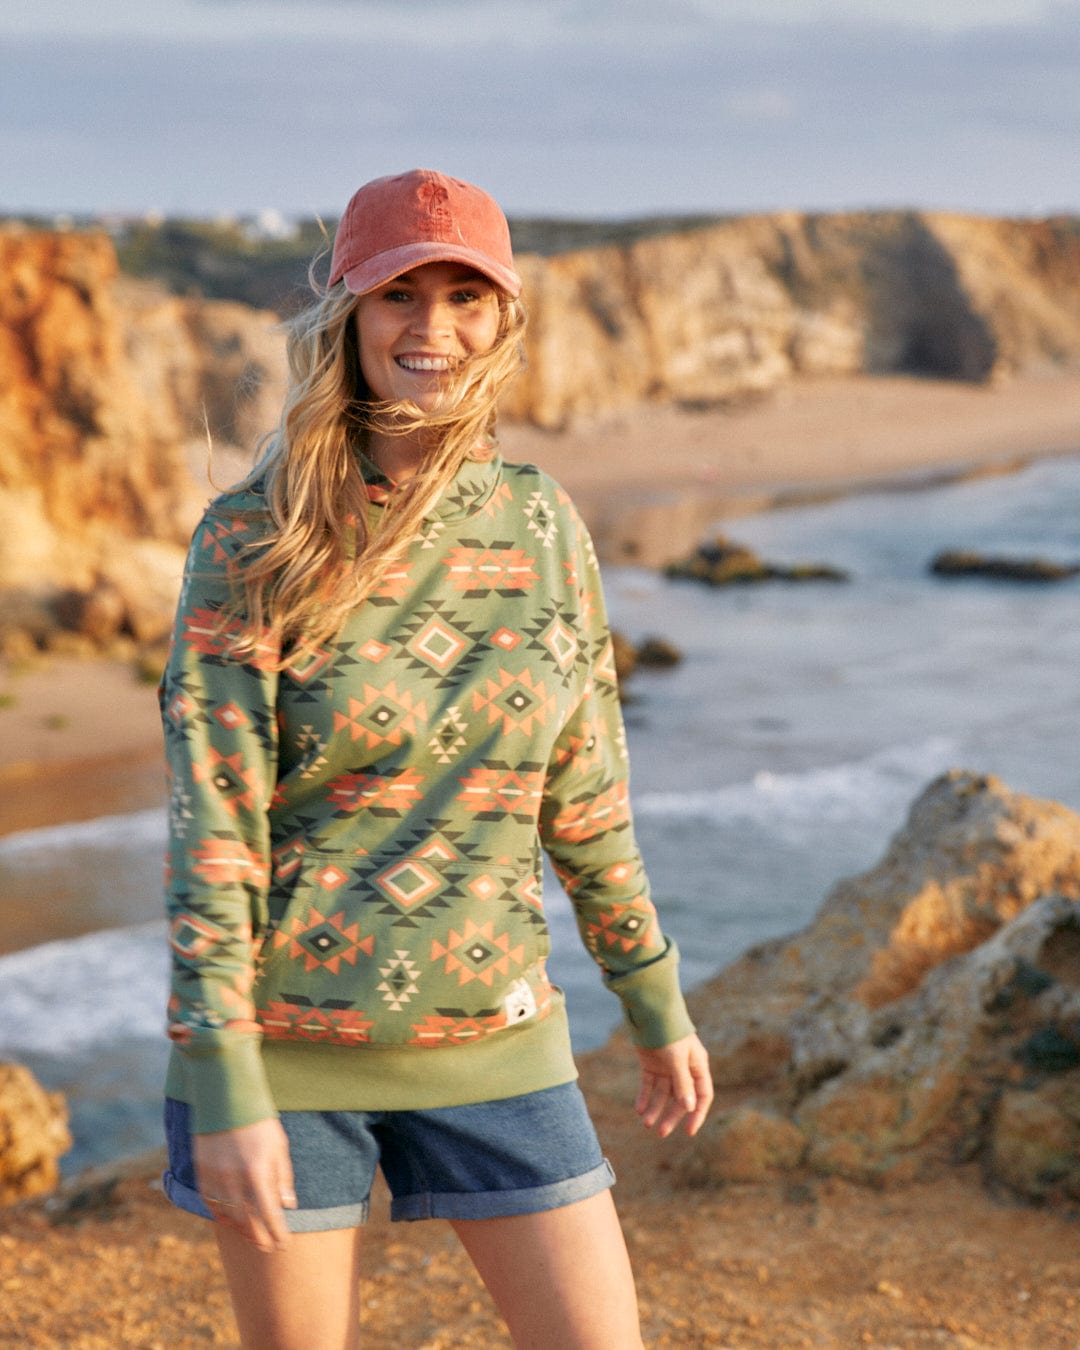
{"points": [[650, 482], [81, 738]]}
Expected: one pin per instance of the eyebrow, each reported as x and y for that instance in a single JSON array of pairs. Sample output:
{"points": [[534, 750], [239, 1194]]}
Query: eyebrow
{"points": [[463, 273]]}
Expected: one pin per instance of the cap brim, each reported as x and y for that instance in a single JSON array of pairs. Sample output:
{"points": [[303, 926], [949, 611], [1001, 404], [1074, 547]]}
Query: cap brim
{"points": [[384, 267]]}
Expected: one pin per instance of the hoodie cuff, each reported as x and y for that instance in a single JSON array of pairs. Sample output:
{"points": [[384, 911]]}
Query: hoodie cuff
{"points": [[226, 1086], [652, 1001]]}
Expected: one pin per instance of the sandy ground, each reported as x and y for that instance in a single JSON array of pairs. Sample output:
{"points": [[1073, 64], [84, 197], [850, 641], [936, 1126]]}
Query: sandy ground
{"points": [[795, 1262], [814, 433], [651, 482], [799, 1262]]}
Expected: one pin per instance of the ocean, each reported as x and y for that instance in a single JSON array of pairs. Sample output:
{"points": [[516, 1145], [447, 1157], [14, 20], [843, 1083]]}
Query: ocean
{"points": [[779, 756]]}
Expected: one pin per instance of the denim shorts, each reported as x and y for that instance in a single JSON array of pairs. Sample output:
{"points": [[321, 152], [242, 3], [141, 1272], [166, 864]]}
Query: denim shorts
{"points": [[518, 1155]]}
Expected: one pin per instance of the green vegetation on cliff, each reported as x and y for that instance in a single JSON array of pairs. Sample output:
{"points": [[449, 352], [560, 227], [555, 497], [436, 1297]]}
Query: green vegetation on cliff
{"points": [[222, 261], [227, 261]]}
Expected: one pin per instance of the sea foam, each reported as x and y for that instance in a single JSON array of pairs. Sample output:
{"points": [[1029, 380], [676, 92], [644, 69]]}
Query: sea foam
{"points": [[61, 998], [795, 805]]}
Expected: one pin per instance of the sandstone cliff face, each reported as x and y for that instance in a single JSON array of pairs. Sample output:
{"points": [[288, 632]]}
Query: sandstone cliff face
{"points": [[103, 387], [108, 387], [732, 310]]}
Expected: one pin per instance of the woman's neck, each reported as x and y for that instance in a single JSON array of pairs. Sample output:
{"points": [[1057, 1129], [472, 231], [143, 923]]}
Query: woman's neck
{"points": [[398, 457]]}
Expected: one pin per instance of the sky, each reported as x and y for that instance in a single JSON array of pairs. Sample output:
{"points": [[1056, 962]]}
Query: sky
{"points": [[578, 108]]}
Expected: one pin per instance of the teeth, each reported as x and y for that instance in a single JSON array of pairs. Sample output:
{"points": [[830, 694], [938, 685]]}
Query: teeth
{"points": [[441, 363]]}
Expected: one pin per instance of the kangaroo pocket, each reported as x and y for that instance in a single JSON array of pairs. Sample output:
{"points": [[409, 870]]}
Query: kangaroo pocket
{"points": [[400, 950]]}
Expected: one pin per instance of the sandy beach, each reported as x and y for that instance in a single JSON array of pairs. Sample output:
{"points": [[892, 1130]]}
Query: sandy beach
{"points": [[784, 1264], [81, 739]]}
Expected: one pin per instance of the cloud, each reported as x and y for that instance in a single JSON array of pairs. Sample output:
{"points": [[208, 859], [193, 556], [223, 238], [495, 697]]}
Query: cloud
{"points": [[761, 103], [718, 115]]}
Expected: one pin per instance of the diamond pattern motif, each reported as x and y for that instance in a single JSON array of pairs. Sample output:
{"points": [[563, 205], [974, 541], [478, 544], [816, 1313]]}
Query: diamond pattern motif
{"points": [[476, 953], [413, 763], [323, 942]]}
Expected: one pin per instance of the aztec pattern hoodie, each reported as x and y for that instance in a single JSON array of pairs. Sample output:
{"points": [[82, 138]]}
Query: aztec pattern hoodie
{"points": [[354, 873]]}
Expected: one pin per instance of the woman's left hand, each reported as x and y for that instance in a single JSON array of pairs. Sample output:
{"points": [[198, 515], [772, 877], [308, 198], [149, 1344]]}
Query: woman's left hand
{"points": [[676, 1084]]}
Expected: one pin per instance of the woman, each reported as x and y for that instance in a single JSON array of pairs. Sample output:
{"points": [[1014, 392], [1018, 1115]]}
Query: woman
{"points": [[391, 682]]}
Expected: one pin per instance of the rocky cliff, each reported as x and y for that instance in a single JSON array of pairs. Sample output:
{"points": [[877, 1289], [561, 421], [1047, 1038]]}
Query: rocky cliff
{"points": [[107, 392], [734, 309], [108, 387], [929, 1016]]}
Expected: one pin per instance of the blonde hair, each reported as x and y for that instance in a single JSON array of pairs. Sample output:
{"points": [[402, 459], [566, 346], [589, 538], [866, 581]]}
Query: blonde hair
{"points": [[322, 556]]}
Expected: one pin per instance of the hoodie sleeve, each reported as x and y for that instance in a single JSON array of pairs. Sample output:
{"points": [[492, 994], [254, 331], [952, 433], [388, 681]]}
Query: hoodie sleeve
{"points": [[219, 720], [587, 830]]}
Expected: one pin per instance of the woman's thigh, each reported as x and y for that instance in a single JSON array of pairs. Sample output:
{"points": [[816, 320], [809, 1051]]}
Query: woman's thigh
{"points": [[561, 1278], [305, 1295]]}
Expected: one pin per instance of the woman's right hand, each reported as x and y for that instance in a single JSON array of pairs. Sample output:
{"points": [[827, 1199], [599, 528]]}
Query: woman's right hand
{"points": [[245, 1179]]}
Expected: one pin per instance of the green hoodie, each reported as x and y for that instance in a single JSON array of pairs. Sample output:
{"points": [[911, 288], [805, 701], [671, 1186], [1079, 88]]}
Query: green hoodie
{"points": [[354, 880]]}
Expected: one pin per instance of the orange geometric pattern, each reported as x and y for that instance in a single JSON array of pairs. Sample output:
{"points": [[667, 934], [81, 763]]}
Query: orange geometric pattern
{"points": [[390, 794], [447, 1029], [395, 584], [498, 500], [303, 1022], [234, 784], [324, 942], [515, 792], [510, 571], [515, 700], [222, 862], [206, 635], [214, 531], [626, 926], [582, 749], [583, 820], [437, 1030], [476, 953], [382, 716]]}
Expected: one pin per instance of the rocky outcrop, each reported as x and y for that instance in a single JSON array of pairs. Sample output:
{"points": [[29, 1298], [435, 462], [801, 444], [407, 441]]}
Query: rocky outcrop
{"points": [[929, 1015], [962, 563], [720, 562], [33, 1135], [107, 391], [731, 310], [653, 653]]}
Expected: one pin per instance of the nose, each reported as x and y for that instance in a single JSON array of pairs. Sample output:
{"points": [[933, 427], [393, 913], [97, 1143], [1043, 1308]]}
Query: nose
{"points": [[431, 318]]}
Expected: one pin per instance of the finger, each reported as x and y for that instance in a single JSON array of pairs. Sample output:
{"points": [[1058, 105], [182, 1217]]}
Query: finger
{"points": [[704, 1086], [286, 1184], [253, 1230], [682, 1098], [671, 1117], [232, 1214], [268, 1215], [246, 1221], [262, 1237], [659, 1097], [645, 1092]]}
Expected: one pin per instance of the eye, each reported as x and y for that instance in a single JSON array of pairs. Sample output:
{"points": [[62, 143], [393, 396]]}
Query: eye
{"points": [[467, 295], [397, 295]]}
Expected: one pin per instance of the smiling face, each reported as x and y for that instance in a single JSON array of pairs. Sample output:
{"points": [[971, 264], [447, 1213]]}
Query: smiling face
{"points": [[414, 329]]}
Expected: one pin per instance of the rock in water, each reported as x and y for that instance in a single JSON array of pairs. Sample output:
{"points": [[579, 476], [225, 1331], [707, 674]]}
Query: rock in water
{"points": [[33, 1135], [957, 563], [721, 562]]}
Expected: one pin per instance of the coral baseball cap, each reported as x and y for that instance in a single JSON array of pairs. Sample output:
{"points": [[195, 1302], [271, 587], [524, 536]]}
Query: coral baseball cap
{"points": [[394, 223]]}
